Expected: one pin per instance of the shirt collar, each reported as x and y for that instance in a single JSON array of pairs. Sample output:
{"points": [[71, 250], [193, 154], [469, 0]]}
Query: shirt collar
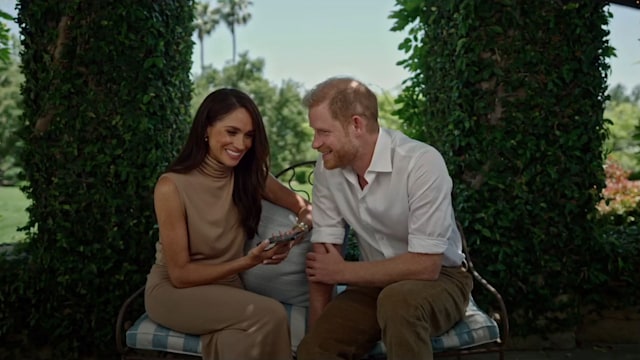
{"points": [[381, 159]]}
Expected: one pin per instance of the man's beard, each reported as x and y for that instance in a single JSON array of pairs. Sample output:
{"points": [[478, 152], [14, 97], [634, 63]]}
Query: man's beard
{"points": [[341, 158]]}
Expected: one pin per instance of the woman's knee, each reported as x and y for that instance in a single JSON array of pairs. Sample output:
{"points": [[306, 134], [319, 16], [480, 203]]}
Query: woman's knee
{"points": [[272, 311]]}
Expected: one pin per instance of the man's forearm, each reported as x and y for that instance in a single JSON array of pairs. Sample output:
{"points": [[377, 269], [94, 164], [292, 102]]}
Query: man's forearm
{"points": [[319, 296], [409, 266]]}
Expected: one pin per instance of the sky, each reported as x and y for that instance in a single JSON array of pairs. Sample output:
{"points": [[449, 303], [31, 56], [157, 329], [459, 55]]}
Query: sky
{"points": [[310, 40]]}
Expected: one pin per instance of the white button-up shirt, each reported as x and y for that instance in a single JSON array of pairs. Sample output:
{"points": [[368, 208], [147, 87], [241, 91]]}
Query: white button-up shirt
{"points": [[406, 206]]}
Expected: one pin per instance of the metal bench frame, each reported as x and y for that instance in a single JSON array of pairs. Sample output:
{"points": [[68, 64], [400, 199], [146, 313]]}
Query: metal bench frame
{"points": [[291, 177]]}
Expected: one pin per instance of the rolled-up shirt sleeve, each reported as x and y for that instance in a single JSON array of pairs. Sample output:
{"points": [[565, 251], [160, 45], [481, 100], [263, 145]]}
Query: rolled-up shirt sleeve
{"points": [[328, 224], [430, 207]]}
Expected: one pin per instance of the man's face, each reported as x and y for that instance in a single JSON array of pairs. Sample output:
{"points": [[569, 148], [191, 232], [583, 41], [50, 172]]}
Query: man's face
{"points": [[335, 142]]}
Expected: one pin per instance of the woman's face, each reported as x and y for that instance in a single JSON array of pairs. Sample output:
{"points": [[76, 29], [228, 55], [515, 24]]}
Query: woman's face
{"points": [[231, 137]]}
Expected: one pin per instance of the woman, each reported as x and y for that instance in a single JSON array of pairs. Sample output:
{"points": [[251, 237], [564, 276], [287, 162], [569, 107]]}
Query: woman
{"points": [[207, 205]]}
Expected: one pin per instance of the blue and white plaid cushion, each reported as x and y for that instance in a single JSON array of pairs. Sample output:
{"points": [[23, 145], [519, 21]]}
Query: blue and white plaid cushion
{"points": [[475, 329], [145, 334]]}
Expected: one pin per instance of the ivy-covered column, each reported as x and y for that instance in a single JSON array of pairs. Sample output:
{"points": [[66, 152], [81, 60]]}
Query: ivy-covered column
{"points": [[512, 93], [106, 97]]}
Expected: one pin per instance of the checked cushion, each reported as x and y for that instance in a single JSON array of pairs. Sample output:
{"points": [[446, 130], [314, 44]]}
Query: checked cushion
{"points": [[475, 329]]}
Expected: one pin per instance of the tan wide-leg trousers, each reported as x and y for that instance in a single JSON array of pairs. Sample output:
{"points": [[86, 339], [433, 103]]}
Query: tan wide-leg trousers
{"points": [[234, 324]]}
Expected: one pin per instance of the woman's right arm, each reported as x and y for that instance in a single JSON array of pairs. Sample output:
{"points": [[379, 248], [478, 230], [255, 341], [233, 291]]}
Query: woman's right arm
{"points": [[172, 222]]}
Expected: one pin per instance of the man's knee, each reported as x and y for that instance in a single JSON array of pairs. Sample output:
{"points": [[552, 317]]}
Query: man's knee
{"points": [[403, 305], [398, 299], [308, 348]]}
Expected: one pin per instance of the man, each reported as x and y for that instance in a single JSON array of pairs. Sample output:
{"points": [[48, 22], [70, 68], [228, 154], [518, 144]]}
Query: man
{"points": [[395, 193]]}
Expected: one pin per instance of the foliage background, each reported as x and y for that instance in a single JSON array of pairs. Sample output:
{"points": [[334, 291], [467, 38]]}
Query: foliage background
{"points": [[4, 39], [10, 102], [623, 142], [281, 107], [104, 110], [96, 135], [509, 118], [512, 93]]}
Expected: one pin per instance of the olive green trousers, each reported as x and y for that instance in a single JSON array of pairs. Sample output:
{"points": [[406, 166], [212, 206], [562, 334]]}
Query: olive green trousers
{"points": [[405, 315]]}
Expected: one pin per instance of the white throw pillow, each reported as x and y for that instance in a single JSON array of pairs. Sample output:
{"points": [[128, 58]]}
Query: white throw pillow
{"points": [[287, 281]]}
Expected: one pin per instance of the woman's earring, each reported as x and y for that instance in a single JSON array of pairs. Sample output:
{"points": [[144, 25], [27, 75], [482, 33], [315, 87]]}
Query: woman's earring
{"points": [[206, 139]]}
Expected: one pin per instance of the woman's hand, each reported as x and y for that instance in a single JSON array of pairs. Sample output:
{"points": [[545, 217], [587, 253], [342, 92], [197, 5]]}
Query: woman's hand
{"points": [[275, 255]]}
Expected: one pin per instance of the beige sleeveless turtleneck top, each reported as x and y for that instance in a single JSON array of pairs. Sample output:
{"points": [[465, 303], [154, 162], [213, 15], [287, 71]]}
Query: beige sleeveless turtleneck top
{"points": [[213, 221]]}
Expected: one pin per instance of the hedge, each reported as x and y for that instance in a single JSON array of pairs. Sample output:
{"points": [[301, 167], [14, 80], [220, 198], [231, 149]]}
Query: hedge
{"points": [[106, 102]]}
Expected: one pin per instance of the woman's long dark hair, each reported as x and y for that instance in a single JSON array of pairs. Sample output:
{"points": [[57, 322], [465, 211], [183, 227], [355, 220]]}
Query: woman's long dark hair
{"points": [[250, 175]]}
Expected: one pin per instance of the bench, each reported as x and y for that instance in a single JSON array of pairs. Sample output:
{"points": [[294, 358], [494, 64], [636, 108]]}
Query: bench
{"points": [[138, 337]]}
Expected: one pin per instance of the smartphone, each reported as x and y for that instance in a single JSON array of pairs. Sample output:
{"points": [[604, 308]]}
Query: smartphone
{"points": [[277, 239]]}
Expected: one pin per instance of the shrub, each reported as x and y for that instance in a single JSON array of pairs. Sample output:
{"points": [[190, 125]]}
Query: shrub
{"points": [[512, 94], [106, 99], [621, 196], [619, 254]]}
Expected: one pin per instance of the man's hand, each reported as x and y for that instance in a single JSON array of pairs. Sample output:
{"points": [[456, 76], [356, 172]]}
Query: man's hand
{"points": [[325, 267]]}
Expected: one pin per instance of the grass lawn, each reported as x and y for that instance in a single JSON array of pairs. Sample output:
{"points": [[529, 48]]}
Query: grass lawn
{"points": [[13, 214]]}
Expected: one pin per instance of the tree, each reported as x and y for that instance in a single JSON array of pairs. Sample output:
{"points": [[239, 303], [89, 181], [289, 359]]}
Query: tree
{"points": [[623, 141], [512, 93], [635, 94], [388, 108], [618, 93], [281, 107], [4, 38], [206, 20], [289, 135], [10, 111], [233, 13], [104, 113]]}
